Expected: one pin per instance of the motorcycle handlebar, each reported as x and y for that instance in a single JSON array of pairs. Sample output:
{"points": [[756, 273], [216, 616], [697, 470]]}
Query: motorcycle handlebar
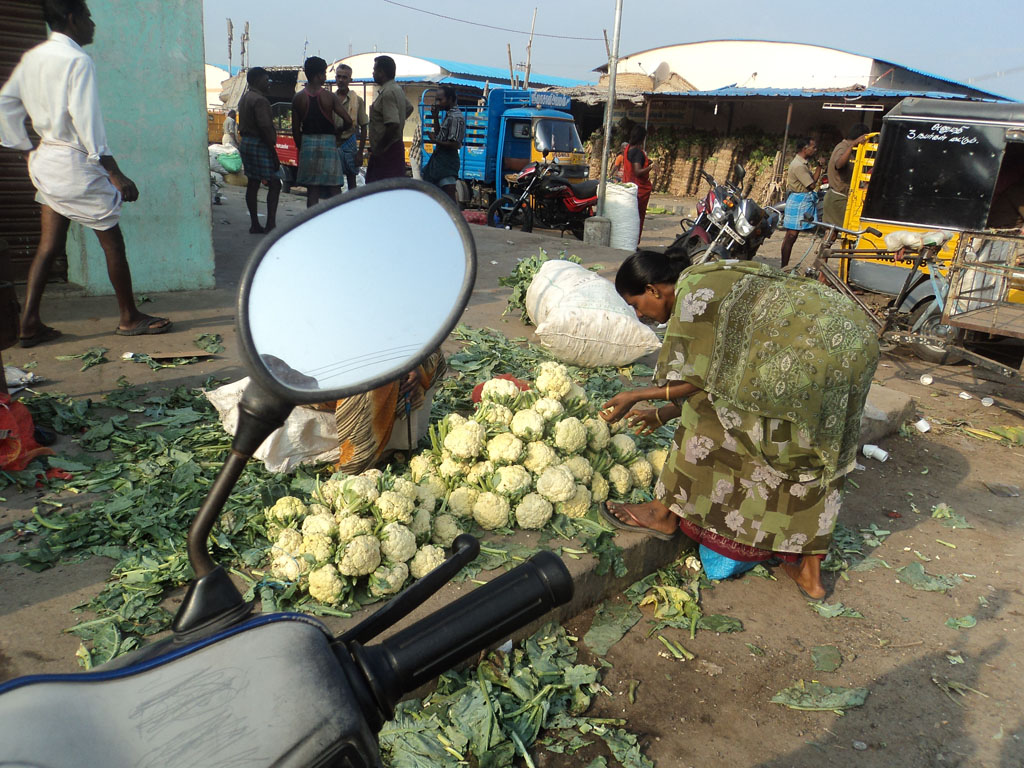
{"points": [[440, 641]]}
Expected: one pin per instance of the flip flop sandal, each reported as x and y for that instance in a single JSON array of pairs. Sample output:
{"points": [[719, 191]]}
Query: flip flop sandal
{"points": [[43, 335], [614, 522], [145, 327]]}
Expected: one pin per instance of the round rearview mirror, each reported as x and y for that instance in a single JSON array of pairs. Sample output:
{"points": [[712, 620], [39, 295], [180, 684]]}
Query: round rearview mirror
{"points": [[357, 292]]}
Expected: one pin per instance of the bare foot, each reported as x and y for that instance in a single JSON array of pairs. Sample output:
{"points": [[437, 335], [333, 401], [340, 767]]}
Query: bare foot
{"points": [[807, 575], [653, 515], [256, 229]]}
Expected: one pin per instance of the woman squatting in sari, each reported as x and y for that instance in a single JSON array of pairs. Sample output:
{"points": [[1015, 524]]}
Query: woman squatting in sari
{"points": [[768, 375]]}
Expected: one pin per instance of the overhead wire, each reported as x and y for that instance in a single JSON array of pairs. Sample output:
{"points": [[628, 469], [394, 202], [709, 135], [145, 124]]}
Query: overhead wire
{"points": [[490, 26]]}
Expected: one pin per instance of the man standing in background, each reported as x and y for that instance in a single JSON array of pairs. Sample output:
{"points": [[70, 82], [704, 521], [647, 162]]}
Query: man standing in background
{"points": [[75, 175], [802, 199], [388, 113], [230, 137], [259, 149], [443, 167], [839, 173], [313, 128], [349, 150]]}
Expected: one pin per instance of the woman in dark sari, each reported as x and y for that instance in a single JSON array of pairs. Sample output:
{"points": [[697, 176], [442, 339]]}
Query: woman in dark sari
{"points": [[768, 375]]}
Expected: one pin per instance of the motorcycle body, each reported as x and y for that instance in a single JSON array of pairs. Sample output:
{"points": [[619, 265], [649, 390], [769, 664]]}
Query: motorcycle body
{"points": [[228, 688], [542, 196]]}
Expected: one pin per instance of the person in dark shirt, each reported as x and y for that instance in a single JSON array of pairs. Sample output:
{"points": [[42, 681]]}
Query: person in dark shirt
{"points": [[259, 149]]}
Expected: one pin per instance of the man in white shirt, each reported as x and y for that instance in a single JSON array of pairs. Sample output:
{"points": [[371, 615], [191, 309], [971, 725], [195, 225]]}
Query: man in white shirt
{"points": [[75, 176]]}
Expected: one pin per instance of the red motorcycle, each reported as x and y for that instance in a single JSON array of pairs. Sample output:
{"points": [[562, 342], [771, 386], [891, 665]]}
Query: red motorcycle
{"points": [[542, 195]]}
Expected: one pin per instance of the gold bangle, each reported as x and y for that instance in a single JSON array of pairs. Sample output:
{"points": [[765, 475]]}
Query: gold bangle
{"points": [[657, 415], [667, 396]]}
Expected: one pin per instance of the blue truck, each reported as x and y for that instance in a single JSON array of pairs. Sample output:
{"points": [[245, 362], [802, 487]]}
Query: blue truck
{"points": [[505, 130]]}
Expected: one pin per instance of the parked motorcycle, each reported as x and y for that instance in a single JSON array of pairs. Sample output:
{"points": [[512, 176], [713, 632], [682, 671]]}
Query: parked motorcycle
{"points": [[542, 195], [279, 689], [728, 226]]}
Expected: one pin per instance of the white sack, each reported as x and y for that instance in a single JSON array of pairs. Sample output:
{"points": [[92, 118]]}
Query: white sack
{"points": [[581, 320], [621, 207]]}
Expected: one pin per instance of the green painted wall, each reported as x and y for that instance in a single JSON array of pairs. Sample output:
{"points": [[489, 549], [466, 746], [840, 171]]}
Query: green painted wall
{"points": [[150, 64]]}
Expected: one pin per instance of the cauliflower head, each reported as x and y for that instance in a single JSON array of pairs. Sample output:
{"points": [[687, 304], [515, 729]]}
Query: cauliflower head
{"points": [[570, 435], [425, 498], [623, 448], [288, 568], [642, 473], [373, 475], [397, 543], [451, 468], [480, 473], [556, 484], [499, 391], [539, 456], [325, 524], [528, 424], [461, 501], [426, 559], [494, 414], [434, 484], [553, 380], [359, 557], [620, 480], [446, 528], [533, 511], [453, 420], [491, 511], [325, 585], [579, 504], [599, 488], [394, 507], [513, 480], [505, 448], [549, 408], [358, 493], [420, 525], [580, 468], [598, 434], [466, 441], [657, 458], [286, 510], [316, 508], [317, 546], [576, 395], [330, 492], [351, 526], [421, 465], [289, 542], [407, 488], [388, 579]]}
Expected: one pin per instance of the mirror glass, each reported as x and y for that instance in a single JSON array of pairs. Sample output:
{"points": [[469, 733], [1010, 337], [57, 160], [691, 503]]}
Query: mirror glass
{"points": [[353, 296]]}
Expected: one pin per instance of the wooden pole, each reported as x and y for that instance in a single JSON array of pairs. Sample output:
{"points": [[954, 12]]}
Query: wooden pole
{"points": [[511, 69], [529, 49]]}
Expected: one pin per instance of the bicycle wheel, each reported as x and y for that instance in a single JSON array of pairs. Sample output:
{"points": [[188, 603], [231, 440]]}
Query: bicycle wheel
{"points": [[505, 213], [932, 326]]}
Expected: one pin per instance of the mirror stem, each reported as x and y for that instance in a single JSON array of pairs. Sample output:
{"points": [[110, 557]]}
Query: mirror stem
{"points": [[212, 600]]}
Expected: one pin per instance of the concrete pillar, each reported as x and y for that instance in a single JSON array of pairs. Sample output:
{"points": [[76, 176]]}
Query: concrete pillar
{"points": [[597, 230]]}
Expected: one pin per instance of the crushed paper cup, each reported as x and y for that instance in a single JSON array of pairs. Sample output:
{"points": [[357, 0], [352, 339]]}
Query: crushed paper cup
{"points": [[926, 379], [922, 426], [987, 401], [965, 396], [874, 452]]}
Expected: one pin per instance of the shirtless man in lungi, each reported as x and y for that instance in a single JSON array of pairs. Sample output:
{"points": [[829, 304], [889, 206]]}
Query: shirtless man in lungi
{"points": [[75, 176]]}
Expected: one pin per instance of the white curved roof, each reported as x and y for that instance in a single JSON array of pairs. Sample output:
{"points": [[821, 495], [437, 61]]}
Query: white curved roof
{"points": [[405, 66], [752, 64], [214, 77]]}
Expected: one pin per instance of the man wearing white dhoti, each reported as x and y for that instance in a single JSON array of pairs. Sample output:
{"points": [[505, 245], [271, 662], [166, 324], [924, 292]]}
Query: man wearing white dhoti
{"points": [[75, 176]]}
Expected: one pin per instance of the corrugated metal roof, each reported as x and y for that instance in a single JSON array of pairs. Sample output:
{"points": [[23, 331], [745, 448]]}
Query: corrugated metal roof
{"points": [[795, 93]]}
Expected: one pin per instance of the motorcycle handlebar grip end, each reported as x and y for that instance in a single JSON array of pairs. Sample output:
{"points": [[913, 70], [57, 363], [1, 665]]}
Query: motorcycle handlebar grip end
{"points": [[873, 231]]}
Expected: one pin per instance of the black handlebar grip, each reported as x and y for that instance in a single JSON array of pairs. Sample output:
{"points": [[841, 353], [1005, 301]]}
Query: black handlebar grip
{"points": [[438, 642], [873, 231]]}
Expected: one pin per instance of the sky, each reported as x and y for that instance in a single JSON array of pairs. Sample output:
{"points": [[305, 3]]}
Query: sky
{"points": [[978, 42]]}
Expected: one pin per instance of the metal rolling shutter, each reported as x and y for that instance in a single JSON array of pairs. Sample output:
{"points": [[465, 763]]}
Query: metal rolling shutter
{"points": [[22, 28]]}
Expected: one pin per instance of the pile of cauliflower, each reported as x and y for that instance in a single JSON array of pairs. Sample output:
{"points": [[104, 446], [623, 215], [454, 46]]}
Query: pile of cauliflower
{"points": [[518, 459]]}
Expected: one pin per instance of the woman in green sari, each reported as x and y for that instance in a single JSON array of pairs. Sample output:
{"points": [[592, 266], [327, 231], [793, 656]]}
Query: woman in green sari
{"points": [[768, 375]]}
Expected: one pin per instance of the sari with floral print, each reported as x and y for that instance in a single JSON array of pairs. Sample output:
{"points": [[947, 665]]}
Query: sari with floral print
{"points": [[784, 365]]}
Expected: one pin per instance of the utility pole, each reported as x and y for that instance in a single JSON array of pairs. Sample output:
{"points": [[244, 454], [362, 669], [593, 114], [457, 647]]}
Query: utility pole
{"points": [[406, 45], [529, 49], [613, 65], [511, 69], [231, 36]]}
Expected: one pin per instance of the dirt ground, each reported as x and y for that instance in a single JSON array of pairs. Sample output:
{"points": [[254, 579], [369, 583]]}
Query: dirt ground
{"points": [[715, 709]]}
